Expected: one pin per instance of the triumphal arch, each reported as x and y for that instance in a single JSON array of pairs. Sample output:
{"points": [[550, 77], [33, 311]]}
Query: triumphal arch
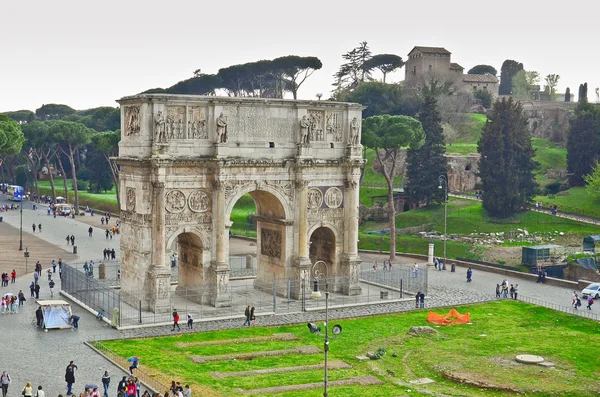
{"points": [[186, 160]]}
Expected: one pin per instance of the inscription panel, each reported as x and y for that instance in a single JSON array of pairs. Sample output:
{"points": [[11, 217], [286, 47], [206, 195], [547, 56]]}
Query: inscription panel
{"points": [[260, 124], [181, 219]]}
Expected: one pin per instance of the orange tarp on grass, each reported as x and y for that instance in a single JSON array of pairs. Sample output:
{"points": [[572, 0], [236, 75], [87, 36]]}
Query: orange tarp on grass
{"points": [[453, 317]]}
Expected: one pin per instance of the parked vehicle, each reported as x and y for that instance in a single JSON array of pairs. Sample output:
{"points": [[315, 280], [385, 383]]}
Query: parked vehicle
{"points": [[593, 290]]}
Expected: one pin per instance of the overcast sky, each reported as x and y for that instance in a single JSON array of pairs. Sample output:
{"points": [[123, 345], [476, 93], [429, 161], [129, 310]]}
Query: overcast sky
{"points": [[88, 54]]}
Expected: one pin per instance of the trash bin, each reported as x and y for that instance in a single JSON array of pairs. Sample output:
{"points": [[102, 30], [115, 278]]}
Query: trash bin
{"points": [[453, 268], [75, 249]]}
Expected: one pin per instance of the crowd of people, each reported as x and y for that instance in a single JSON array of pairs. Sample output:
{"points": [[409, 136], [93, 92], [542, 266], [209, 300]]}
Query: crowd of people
{"points": [[503, 289], [576, 303]]}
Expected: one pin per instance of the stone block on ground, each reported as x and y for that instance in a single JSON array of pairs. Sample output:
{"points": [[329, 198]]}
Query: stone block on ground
{"points": [[421, 330]]}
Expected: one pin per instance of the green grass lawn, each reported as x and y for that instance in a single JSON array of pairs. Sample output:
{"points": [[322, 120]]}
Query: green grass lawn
{"points": [[483, 351], [105, 201], [549, 155], [575, 200]]}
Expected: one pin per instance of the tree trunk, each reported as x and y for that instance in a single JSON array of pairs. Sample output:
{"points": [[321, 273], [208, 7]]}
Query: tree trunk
{"points": [[64, 175], [74, 176], [384, 77], [389, 178], [114, 170], [47, 162]]}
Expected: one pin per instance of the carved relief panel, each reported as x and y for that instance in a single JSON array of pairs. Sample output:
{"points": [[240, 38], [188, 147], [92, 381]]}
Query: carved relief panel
{"points": [[199, 201], [197, 128], [175, 201], [333, 197], [130, 199], [333, 126], [315, 198], [270, 243], [175, 122], [132, 120], [316, 119]]}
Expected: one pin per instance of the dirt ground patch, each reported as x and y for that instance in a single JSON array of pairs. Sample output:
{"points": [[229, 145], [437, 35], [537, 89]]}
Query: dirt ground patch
{"points": [[510, 256], [335, 364], [360, 380], [279, 337], [478, 381], [249, 356]]}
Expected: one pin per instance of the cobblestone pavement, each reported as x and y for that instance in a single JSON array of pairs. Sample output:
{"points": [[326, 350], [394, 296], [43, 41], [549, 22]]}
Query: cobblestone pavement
{"points": [[41, 357]]}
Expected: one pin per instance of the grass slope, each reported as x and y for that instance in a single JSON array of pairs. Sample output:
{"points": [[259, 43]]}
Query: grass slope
{"points": [[483, 352], [105, 201]]}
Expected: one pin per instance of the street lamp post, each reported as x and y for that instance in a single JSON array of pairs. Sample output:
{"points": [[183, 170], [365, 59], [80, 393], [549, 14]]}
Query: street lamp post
{"points": [[318, 274], [443, 180], [21, 228]]}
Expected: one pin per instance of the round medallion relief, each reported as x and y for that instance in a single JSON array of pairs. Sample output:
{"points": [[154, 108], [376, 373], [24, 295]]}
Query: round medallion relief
{"points": [[175, 201], [199, 201], [333, 197], [315, 198], [130, 199]]}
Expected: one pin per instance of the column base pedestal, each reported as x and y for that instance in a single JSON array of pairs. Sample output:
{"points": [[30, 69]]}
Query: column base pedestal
{"points": [[218, 278]]}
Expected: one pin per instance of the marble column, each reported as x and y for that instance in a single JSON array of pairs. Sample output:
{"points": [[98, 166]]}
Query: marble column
{"points": [[351, 260], [302, 262], [218, 277], [159, 276]]}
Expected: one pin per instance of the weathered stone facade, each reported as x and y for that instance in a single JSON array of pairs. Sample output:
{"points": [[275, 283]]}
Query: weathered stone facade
{"points": [[462, 172], [186, 160]]}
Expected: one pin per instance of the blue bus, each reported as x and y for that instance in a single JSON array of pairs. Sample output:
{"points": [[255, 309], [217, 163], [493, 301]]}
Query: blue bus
{"points": [[15, 193]]}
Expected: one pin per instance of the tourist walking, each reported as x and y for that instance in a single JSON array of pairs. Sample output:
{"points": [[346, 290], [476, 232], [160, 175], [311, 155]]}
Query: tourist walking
{"points": [[252, 317], [51, 284], [247, 314], [40, 227], [590, 302], [53, 266], [190, 321], [90, 231], [175, 320], [68, 239], [40, 392], [39, 317], [70, 377], [516, 290], [27, 390], [22, 299], [72, 240], [134, 360], [106, 232], [469, 274], [33, 227], [5, 381], [417, 297], [13, 276], [37, 291], [122, 386], [32, 289], [422, 300], [512, 291]]}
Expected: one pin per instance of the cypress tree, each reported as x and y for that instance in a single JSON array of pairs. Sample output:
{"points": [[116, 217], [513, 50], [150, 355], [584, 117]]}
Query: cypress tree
{"points": [[506, 165], [568, 95], [582, 92], [583, 142], [426, 164]]}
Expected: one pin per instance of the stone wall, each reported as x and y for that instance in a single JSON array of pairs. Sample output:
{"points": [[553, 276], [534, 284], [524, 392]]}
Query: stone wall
{"points": [[548, 123], [462, 172]]}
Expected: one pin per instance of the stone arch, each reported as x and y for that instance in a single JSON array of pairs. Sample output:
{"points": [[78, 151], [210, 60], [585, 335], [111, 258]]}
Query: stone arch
{"points": [[258, 190], [324, 241], [191, 246]]}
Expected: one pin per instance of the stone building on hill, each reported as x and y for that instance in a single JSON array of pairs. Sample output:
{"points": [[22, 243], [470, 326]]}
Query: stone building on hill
{"points": [[437, 60]]}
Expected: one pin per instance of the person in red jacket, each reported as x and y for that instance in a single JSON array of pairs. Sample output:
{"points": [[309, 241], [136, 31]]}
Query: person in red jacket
{"points": [[175, 320], [13, 276]]}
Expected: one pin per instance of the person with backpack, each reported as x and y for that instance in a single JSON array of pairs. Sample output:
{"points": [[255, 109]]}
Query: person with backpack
{"points": [[175, 321], [590, 302], [106, 382], [122, 386], [5, 381]]}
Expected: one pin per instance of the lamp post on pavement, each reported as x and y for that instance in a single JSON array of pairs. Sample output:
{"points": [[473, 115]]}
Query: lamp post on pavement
{"points": [[318, 274], [444, 180], [21, 228]]}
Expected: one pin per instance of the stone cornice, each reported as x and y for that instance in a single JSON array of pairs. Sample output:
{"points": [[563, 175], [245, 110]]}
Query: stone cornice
{"points": [[173, 99]]}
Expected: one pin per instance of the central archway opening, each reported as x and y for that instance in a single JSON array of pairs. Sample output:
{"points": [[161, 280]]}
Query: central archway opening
{"points": [[259, 214]]}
